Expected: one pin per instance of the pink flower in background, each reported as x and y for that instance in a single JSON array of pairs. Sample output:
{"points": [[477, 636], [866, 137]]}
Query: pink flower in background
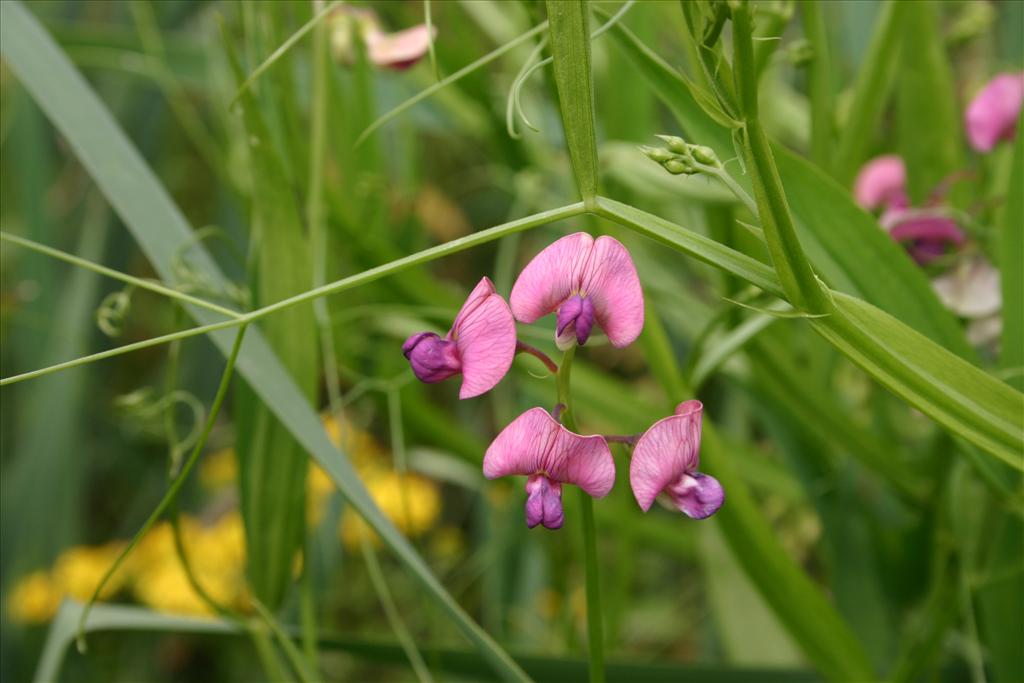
{"points": [[480, 345], [538, 447], [992, 115], [587, 282], [882, 183], [398, 50], [665, 460], [971, 289], [927, 234]]}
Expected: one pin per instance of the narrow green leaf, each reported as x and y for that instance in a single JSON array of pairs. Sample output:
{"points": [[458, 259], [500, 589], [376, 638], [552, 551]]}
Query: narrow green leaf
{"points": [[871, 91], [819, 83], [691, 243], [272, 466], [1011, 270], [570, 48], [930, 132], [155, 221], [965, 400]]}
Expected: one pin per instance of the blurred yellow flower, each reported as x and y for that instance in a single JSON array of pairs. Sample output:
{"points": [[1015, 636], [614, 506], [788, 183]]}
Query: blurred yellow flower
{"points": [[216, 554], [79, 570], [412, 503], [33, 599], [219, 469]]}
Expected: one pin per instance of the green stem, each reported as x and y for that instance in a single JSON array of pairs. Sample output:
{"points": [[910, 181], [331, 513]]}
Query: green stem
{"points": [[394, 617], [802, 287], [595, 627], [363, 278], [118, 275], [172, 492], [290, 651], [819, 83]]}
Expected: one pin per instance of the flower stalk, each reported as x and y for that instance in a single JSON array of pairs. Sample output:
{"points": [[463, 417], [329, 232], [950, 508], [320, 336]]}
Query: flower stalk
{"points": [[595, 626]]}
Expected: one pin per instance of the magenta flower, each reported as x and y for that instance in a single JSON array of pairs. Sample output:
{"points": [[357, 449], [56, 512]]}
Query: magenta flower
{"points": [[927, 233], [587, 282], [665, 460], [538, 447], [480, 345], [882, 183], [992, 115]]}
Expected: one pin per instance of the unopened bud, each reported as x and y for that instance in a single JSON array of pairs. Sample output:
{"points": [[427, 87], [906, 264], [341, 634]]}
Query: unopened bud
{"points": [[675, 144], [659, 154], [704, 155], [678, 167]]}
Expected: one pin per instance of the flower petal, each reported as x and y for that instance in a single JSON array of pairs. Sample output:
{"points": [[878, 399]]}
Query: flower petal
{"points": [[535, 444], [609, 279], [992, 114], [665, 452], [697, 495], [544, 502], [881, 182], [550, 278], [485, 333], [971, 290], [401, 49], [928, 227]]}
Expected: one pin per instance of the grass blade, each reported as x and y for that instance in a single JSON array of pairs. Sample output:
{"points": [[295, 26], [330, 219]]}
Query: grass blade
{"points": [[570, 50], [158, 225]]}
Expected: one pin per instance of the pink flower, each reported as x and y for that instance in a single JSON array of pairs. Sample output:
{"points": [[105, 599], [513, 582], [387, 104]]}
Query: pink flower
{"points": [[587, 282], [665, 460], [398, 50], [992, 114], [882, 182], [971, 289], [927, 234], [538, 447], [480, 345]]}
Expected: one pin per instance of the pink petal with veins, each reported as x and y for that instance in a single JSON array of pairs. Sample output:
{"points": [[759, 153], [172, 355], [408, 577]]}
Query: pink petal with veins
{"points": [[600, 270], [666, 452], [992, 115], [485, 334], [535, 444]]}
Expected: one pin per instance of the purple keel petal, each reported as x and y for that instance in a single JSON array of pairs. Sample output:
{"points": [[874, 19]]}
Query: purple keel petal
{"points": [[610, 281], [881, 182], [432, 359], [550, 278], [665, 452], [697, 495], [544, 502], [535, 444], [485, 333], [992, 114]]}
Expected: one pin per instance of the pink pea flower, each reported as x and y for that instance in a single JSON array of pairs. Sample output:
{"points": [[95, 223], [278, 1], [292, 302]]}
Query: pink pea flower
{"points": [[992, 115], [882, 183], [398, 50], [587, 282], [480, 345], [665, 460], [536, 446]]}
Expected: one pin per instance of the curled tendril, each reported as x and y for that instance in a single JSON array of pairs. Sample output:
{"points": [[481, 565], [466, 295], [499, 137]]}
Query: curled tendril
{"points": [[113, 310], [193, 280], [146, 407]]}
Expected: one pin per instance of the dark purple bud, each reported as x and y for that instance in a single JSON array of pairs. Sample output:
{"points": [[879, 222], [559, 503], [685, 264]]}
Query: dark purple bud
{"points": [[432, 359], [575, 319]]}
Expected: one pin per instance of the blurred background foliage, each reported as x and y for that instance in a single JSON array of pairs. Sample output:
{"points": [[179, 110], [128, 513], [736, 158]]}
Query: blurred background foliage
{"points": [[929, 583]]}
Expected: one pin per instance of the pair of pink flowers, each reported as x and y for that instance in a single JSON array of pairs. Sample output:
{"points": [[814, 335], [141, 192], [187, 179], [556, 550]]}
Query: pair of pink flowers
{"points": [[587, 283], [928, 231]]}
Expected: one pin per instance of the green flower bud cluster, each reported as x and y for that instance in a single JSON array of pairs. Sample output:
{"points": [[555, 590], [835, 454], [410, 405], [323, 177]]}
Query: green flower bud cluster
{"points": [[681, 157]]}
